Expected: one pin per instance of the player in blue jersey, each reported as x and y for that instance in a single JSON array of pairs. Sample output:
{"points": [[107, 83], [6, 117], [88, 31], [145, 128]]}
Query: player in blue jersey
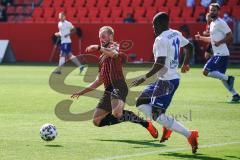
{"points": [[220, 36], [157, 96]]}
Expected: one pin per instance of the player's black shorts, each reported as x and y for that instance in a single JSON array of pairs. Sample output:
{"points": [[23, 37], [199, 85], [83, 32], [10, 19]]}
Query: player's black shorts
{"points": [[118, 90]]}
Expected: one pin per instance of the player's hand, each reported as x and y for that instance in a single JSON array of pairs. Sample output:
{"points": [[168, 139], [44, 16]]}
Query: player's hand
{"points": [[198, 36], [76, 95], [137, 81], [185, 68], [217, 43], [92, 48], [57, 34], [207, 55]]}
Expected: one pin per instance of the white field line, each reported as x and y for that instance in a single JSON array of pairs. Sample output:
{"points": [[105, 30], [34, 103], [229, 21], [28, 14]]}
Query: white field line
{"points": [[165, 151]]}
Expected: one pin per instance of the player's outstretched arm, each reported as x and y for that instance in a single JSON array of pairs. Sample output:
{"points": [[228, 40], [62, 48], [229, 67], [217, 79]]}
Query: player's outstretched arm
{"points": [[91, 87], [198, 37], [157, 66], [109, 52], [188, 53]]}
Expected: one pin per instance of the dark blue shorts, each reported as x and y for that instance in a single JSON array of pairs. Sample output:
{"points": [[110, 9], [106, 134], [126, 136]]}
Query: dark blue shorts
{"points": [[66, 49], [160, 93], [217, 63]]}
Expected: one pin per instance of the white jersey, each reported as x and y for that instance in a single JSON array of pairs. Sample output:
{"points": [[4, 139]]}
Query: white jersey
{"points": [[65, 28], [168, 44], [218, 31]]}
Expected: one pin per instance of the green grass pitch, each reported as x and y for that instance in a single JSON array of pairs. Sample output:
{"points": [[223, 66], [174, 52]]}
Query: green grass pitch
{"points": [[27, 102]]}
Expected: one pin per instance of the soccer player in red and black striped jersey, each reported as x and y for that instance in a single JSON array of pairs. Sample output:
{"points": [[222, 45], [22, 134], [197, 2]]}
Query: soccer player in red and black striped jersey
{"points": [[110, 109]]}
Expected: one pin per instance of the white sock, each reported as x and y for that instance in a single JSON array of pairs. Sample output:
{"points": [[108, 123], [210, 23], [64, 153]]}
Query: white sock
{"points": [[227, 86], [61, 61], [172, 124], [75, 61], [146, 109], [218, 75]]}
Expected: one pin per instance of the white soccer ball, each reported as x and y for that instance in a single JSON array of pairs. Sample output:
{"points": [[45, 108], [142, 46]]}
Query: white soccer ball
{"points": [[48, 132]]}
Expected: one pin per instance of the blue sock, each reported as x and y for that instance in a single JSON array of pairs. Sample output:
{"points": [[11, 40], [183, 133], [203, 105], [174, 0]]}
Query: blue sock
{"points": [[218, 75]]}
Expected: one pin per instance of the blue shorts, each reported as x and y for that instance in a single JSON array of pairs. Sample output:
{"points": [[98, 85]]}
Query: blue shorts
{"points": [[217, 63], [66, 49], [160, 93]]}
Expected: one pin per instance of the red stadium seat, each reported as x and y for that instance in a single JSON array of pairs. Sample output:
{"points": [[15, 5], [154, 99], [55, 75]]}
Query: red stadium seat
{"points": [[102, 3], [48, 12], [11, 19], [137, 3], [28, 10], [28, 2], [187, 12], [125, 3], [118, 20], [113, 3], [107, 20], [47, 3], [38, 12], [171, 3], [93, 13], [198, 11], [90, 3], [141, 20], [150, 13], [82, 13], [71, 12], [19, 10], [68, 3], [139, 12], [175, 12], [163, 9], [18, 2], [39, 20], [176, 19], [182, 3], [95, 20], [73, 19], [28, 20], [11, 10], [148, 3], [189, 19], [232, 2], [84, 20], [236, 12], [51, 20], [104, 13], [79, 3], [58, 3], [116, 12], [225, 9], [159, 3]]}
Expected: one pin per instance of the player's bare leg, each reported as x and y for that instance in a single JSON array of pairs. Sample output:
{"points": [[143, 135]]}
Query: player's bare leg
{"points": [[99, 115]]}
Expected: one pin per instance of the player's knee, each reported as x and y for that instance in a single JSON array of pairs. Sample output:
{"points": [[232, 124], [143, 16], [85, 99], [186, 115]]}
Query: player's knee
{"points": [[117, 113], [205, 73]]}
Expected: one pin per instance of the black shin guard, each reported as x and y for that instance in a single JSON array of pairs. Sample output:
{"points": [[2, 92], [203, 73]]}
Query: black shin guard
{"points": [[132, 117], [109, 120]]}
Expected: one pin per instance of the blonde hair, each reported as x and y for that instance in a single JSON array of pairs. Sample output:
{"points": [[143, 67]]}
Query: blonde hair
{"points": [[109, 29]]}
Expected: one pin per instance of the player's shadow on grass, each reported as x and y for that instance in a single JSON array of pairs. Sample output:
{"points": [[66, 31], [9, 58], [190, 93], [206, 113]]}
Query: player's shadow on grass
{"points": [[233, 157], [53, 145], [231, 103], [191, 156], [149, 143]]}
